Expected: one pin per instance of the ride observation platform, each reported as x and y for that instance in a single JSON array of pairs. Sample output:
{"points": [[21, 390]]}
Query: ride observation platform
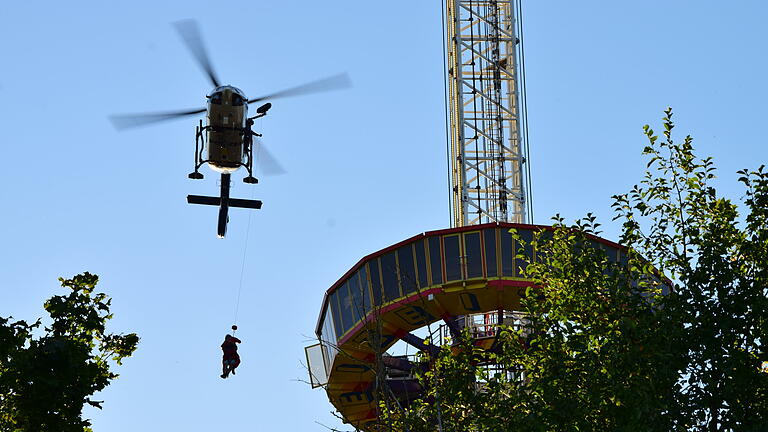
{"points": [[442, 275]]}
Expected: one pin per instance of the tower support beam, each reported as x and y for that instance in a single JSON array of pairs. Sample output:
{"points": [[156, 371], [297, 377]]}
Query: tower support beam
{"points": [[487, 137]]}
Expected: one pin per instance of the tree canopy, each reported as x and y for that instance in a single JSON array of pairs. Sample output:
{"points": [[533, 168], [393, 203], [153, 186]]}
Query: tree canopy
{"points": [[608, 346], [47, 375]]}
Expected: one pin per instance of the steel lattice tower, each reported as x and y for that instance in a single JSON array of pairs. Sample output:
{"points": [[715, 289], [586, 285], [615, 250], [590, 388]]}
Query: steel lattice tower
{"points": [[488, 143]]}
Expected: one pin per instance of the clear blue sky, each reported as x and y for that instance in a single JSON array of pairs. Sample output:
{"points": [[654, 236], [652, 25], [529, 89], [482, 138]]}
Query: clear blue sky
{"points": [[366, 166]]}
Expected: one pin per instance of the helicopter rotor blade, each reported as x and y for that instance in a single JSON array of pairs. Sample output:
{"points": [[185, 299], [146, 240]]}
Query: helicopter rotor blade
{"points": [[127, 121], [335, 82], [265, 162], [190, 33]]}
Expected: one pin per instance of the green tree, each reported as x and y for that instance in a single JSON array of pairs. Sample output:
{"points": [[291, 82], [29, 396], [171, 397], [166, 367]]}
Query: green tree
{"points": [[605, 345], [46, 380], [592, 352], [719, 258]]}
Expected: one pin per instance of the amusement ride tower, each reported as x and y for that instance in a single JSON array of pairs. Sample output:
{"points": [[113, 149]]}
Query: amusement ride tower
{"points": [[464, 277], [488, 141]]}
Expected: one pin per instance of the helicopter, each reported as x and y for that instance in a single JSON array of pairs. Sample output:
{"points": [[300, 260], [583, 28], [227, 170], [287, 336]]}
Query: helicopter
{"points": [[227, 134]]}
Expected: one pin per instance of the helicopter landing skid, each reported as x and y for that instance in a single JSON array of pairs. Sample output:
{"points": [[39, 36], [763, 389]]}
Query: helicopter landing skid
{"points": [[247, 151], [224, 202]]}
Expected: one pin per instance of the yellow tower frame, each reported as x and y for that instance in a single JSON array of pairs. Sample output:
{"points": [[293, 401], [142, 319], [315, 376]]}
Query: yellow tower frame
{"points": [[488, 143]]}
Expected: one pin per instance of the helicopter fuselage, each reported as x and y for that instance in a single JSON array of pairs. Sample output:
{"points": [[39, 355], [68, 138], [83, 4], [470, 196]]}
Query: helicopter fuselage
{"points": [[226, 129]]}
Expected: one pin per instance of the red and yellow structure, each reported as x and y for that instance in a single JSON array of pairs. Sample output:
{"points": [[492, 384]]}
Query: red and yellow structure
{"points": [[438, 276]]}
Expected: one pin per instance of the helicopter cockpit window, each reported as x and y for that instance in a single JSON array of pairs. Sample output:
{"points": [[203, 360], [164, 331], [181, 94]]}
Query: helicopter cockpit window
{"points": [[237, 100], [216, 98]]}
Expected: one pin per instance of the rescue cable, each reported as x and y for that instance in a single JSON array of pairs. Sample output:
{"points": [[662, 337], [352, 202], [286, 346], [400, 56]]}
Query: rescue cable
{"points": [[242, 272], [242, 266]]}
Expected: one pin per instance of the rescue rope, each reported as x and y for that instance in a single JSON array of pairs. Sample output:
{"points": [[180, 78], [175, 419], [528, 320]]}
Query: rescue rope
{"points": [[242, 273], [242, 265]]}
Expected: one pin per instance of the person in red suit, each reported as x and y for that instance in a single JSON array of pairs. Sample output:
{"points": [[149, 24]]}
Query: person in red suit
{"points": [[231, 359]]}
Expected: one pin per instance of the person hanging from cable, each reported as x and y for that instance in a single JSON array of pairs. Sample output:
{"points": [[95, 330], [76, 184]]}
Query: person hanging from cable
{"points": [[231, 359]]}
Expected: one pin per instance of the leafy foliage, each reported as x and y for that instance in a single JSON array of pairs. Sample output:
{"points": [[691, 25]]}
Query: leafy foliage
{"points": [[45, 381], [607, 346], [719, 260]]}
